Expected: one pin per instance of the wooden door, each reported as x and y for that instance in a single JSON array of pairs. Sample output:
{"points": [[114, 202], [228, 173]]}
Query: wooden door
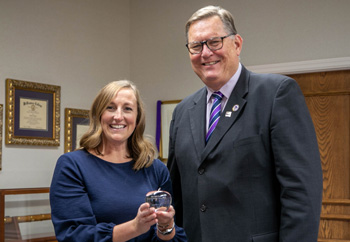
{"points": [[327, 95]]}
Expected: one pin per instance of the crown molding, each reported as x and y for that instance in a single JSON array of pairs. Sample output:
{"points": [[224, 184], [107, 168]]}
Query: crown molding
{"points": [[333, 64]]}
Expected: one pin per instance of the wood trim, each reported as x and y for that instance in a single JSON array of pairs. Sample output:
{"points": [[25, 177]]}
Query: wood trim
{"points": [[336, 201], [24, 191], [28, 218], [332, 64], [335, 217], [333, 240], [318, 94], [2, 215]]}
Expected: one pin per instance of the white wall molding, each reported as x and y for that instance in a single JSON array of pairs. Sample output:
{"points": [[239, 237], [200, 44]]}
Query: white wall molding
{"points": [[332, 64]]}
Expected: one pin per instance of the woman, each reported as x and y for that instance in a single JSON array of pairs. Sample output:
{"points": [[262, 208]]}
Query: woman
{"points": [[98, 192]]}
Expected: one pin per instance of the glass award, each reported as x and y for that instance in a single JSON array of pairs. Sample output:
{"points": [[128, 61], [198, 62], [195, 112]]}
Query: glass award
{"points": [[160, 200]]}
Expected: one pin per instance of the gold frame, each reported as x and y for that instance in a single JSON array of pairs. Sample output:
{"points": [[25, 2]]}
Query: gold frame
{"points": [[167, 108], [70, 114], [1, 115], [40, 89]]}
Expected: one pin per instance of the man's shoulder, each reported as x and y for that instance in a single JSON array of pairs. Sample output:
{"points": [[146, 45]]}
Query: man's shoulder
{"points": [[269, 83], [273, 77], [268, 76], [193, 98]]}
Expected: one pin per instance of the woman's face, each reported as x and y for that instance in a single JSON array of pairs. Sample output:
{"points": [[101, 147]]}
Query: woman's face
{"points": [[118, 121]]}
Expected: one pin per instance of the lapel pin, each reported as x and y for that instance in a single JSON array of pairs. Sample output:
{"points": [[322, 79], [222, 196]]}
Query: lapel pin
{"points": [[228, 114], [235, 108]]}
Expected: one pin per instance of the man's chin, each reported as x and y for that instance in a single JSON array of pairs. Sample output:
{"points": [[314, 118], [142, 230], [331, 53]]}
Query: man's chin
{"points": [[213, 83]]}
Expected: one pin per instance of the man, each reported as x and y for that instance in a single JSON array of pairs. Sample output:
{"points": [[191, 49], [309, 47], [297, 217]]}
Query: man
{"points": [[257, 175]]}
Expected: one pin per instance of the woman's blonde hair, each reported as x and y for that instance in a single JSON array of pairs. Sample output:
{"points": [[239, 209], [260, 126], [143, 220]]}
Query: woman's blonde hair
{"points": [[140, 149]]}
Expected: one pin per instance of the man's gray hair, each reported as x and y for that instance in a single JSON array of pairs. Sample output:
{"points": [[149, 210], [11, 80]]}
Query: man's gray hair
{"points": [[210, 11]]}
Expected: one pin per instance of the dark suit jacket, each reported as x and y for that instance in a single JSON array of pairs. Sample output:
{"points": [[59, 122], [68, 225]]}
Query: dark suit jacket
{"points": [[259, 177]]}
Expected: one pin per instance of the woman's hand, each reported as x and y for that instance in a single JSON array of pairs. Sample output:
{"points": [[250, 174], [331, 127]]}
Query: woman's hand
{"points": [[166, 223], [165, 217], [145, 218]]}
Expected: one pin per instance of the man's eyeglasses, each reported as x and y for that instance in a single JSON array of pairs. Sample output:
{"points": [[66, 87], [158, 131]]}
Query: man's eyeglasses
{"points": [[214, 43]]}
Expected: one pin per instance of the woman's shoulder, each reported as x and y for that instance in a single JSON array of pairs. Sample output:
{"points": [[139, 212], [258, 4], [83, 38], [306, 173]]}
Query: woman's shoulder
{"points": [[75, 154], [73, 157], [159, 168], [159, 164]]}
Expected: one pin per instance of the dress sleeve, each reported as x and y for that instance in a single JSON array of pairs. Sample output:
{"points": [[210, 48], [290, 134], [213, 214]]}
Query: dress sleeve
{"points": [[180, 235], [71, 211], [163, 176]]}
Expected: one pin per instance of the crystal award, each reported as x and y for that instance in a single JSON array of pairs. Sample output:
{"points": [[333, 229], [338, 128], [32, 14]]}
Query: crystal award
{"points": [[160, 200]]}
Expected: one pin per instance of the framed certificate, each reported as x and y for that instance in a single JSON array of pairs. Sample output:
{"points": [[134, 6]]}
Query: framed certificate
{"points": [[76, 124], [32, 113], [1, 115], [164, 115]]}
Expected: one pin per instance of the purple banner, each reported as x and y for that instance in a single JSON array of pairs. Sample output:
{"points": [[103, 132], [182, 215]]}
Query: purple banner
{"points": [[158, 127]]}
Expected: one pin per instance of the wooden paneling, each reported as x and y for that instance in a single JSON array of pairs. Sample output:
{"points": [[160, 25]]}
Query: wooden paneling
{"points": [[327, 95]]}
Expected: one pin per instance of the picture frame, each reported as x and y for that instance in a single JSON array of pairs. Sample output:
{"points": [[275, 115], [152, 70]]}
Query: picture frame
{"points": [[32, 113], [164, 115], [1, 122], [76, 124]]}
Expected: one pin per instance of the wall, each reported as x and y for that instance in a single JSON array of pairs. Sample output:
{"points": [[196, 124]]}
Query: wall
{"points": [[274, 31], [83, 44], [79, 45]]}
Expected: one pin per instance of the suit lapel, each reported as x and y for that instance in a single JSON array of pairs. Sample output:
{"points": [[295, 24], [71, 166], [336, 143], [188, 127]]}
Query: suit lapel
{"points": [[197, 116], [234, 107]]}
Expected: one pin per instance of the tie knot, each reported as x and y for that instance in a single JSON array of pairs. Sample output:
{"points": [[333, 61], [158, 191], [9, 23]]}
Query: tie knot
{"points": [[218, 95]]}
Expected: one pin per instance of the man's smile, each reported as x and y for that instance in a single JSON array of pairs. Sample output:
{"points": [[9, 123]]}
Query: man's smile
{"points": [[210, 63]]}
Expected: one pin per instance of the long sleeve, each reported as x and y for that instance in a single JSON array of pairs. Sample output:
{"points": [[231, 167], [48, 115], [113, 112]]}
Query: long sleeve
{"points": [[72, 213], [298, 165]]}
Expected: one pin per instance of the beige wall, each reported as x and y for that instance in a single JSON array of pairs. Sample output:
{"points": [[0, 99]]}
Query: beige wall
{"points": [[79, 45], [274, 31], [83, 44]]}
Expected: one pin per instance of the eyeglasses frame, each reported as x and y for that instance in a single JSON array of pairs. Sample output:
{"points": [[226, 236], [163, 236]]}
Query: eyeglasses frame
{"points": [[206, 43]]}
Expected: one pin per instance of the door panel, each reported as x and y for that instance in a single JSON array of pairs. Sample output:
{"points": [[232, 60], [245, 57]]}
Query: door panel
{"points": [[327, 95]]}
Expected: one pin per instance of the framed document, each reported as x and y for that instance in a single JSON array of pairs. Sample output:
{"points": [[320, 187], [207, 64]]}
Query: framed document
{"points": [[76, 124], [164, 115], [1, 112], [32, 113]]}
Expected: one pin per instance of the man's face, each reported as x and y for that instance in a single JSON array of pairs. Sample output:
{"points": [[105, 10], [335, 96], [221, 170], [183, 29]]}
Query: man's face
{"points": [[214, 68]]}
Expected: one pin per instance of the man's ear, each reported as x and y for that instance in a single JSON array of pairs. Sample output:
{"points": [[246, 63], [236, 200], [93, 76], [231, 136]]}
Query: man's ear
{"points": [[238, 44]]}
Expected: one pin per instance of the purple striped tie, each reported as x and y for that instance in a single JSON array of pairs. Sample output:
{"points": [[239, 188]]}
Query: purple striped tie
{"points": [[214, 113]]}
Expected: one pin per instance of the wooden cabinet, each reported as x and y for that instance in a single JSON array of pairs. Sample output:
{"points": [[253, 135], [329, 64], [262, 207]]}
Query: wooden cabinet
{"points": [[25, 215]]}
